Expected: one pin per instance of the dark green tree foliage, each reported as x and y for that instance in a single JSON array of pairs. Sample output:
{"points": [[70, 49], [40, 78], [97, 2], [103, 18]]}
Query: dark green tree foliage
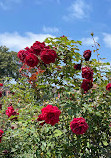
{"points": [[9, 63]]}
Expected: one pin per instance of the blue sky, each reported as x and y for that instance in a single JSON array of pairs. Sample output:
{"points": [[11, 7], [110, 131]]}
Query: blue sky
{"points": [[25, 21]]}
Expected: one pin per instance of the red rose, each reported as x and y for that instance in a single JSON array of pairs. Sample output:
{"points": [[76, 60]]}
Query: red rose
{"points": [[50, 114], [40, 117], [22, 55], [0, 106], [10, 111], [108, 87], [87, 55], [78, 126], [12, 127], [37, 47], [48, 56], [86, 85], [1, 132], [0, 94], [28, 49], [1, 84], [31, 60], [87, 73], [77, 66]]}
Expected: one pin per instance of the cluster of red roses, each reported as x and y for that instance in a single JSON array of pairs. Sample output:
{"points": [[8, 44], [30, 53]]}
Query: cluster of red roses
{"points": [[50, 115], [38, 51], [87, 72]]}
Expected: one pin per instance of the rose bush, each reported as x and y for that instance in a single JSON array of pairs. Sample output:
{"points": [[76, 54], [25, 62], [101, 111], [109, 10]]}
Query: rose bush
{"points": [[56, 118]]}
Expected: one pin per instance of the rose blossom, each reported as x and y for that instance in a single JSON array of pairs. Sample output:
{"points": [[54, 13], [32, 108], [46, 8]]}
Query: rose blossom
{"points": [[77, 66], [0, 106], [0, 94], [108, 87], [86, 85], [1, 132], [22, 55], [78, 126], [87, 73], [31, 60], [1, 84], [50, 114], [37, 47], [87, 55], [10, 111], [48, 56]]}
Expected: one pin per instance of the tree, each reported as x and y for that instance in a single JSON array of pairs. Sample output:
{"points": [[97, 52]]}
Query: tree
{"points": [[9, 63]]}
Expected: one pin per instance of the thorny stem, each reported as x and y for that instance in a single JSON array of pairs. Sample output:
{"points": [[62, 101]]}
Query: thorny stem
{"points": [[95, 44]]}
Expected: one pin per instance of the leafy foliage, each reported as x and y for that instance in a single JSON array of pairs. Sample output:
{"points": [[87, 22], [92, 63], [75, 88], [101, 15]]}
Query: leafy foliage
{"points": [[58, 84]]}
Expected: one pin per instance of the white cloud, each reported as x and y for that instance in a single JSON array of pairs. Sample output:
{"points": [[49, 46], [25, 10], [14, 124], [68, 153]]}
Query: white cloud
{"points": [[6, 4], [79, 9], [15, 41], [3, 6], [107, 39], [50, 29], [46, 1], [89, 41]]}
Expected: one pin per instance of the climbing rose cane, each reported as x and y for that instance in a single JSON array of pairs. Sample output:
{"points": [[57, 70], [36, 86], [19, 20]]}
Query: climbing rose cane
{"points": [[78, 126], [50, 114]]}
